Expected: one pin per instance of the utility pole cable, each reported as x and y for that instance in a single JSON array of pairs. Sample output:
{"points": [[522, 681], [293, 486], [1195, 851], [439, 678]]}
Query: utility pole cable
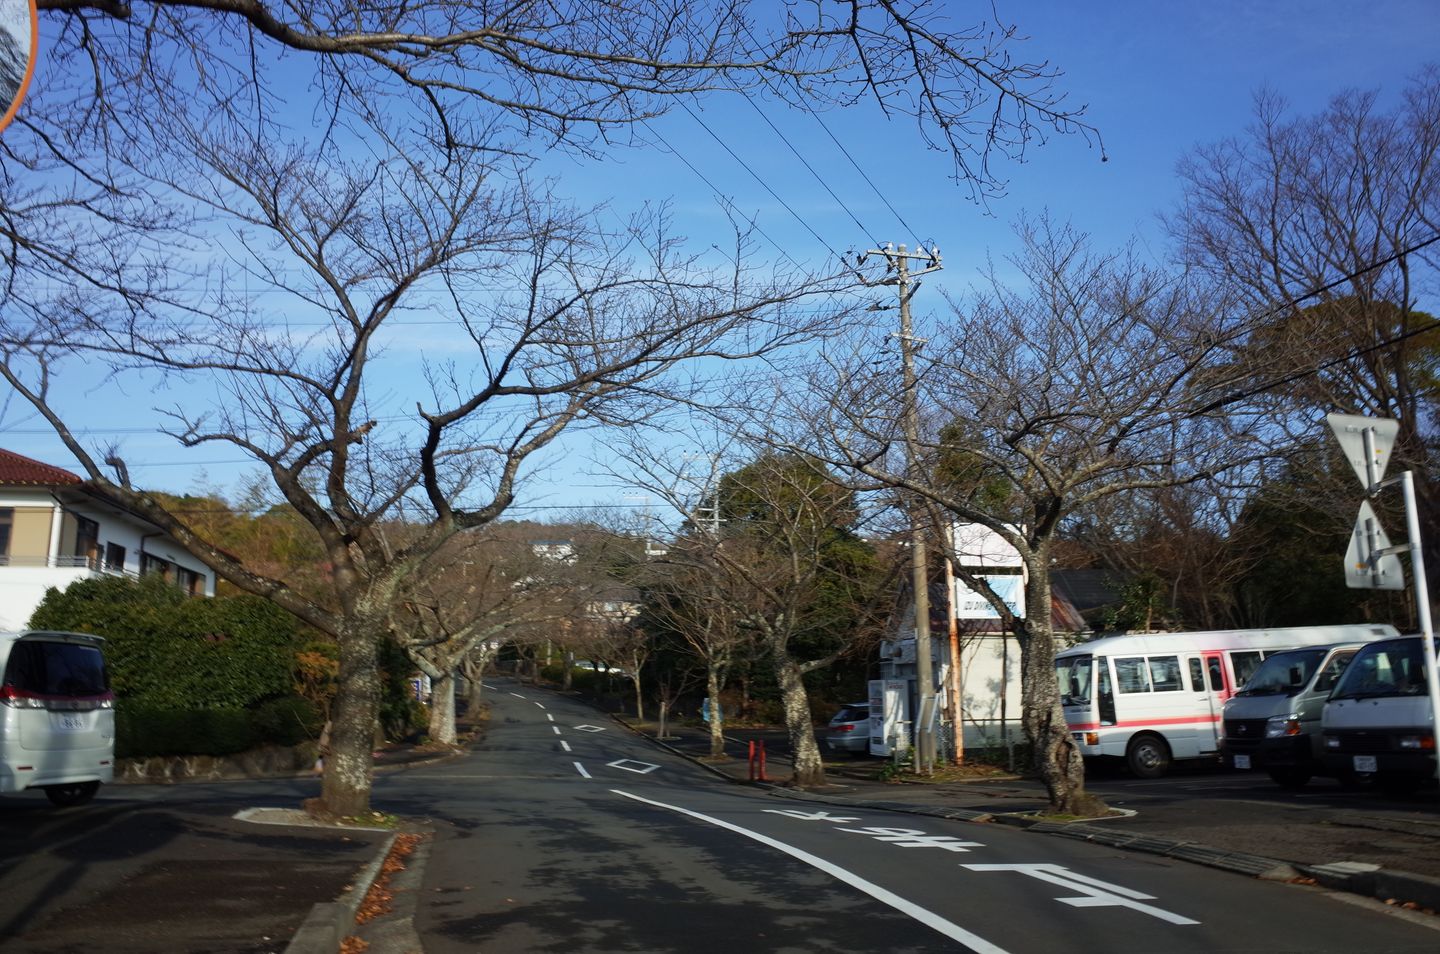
{"points": [[898, 262]]}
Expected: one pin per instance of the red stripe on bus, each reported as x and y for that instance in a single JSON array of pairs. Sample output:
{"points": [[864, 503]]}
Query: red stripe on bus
{"points": [[1187, 720]]}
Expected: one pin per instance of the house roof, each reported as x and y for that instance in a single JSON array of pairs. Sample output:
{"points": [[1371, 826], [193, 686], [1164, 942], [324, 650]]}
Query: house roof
{"points": [[17, 470]]}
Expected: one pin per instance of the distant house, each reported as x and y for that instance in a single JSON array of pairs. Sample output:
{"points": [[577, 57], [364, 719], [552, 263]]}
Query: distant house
{"points": [[56, 527]]}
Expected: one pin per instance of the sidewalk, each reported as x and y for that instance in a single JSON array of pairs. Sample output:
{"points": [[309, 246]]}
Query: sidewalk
{"points": [[1388, 853]]}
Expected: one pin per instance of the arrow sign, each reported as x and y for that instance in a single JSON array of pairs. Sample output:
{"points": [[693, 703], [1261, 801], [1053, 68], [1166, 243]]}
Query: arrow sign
{"points": [[1350, 432], [1368, 544]]}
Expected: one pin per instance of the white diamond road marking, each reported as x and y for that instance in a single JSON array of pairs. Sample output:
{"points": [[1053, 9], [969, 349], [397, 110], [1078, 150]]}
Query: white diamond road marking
{"points": [[590, 728], [631, 765], [1095, 893], [915, 838]]}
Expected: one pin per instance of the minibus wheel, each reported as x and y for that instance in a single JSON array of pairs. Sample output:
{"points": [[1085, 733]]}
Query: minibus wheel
{"points": [[75, 793], [1147, 756]]}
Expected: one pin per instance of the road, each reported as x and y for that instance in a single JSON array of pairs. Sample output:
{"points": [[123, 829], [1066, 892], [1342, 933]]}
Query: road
{"points": [[564, 832]]}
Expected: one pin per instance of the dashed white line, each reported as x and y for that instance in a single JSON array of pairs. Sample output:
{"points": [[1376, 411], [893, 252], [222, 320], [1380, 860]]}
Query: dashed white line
{"points": [[540, 704], [556, 728], [517, 695], [565, 745], [926, 917], [550, 717], [581, 769]]}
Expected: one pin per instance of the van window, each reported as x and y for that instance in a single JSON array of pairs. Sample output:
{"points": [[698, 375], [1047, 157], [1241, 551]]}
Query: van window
{"points": [[1197, 676], [1130, 675], [44, 668], [1394, 667], [1217, 674], [1245, 664], [1331, 673], [1165, 674]]}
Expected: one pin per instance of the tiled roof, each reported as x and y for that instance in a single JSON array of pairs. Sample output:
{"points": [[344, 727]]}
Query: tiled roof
{"points": [[19, 471]]}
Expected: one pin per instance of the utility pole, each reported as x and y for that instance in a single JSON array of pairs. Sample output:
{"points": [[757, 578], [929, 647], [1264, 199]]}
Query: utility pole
{"points": [[897, 263]]}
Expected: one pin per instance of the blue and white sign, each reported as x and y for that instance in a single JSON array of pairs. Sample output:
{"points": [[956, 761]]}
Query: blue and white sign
{"points": [[971, 605]]}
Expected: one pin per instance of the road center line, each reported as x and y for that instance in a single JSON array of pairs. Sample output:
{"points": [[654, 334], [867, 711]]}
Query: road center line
{"points": [[925, 916], [581, 769], [550, 717], [565, 745], [540, 704], [556, 728], [517, 695]]}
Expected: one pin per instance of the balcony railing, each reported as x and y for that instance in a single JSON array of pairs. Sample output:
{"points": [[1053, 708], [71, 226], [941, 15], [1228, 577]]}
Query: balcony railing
{"points": [[95, 564]]}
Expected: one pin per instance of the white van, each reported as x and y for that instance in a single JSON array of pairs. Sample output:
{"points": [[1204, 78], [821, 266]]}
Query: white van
{"points": [[1273, 722], [57, 718], [1378, 723], [1156, 697]]}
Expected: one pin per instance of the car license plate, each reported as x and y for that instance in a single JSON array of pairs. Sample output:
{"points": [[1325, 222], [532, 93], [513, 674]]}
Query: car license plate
{"points": [[1365, 763], [1242, 761]]}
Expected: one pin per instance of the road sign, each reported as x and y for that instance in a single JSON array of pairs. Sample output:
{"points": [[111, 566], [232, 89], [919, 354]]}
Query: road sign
{"points": [[1367, 565], [1350, 431]]}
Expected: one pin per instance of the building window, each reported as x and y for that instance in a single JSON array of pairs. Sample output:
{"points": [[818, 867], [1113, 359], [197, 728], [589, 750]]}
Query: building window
{"points": [[189, 581], [7, 520], [151, 565], [87, 539], [114, 557]]}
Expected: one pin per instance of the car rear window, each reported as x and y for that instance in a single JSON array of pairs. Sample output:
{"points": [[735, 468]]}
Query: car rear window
{"points": [[56, 669], [852, 714]]}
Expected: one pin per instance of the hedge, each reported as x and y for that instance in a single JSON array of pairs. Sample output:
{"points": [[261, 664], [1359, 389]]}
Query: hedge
{"points": [[142, 731]]}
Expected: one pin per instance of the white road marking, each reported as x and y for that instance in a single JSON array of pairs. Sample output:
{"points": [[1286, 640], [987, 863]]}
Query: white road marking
{"points": [[809, 816], [581, 769], [915, 838], [550, 717], [565, 745], [488, 686], [630, 765], [517, 695], [926, 917], [590, 728], [1095, 893], [540, 704], [556, 728]]}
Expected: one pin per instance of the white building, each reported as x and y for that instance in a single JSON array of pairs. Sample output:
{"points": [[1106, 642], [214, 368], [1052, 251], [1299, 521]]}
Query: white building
{"points": [[56, 528]]}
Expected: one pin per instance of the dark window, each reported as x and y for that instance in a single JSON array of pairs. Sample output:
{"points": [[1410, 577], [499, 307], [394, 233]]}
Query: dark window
{"points": [[1197, 676], [1326, 681], [87, 538], [1217, 674], [7, 520], [56, 669], [1245, 665], [153, 565], [114, 556], [188, 580]]}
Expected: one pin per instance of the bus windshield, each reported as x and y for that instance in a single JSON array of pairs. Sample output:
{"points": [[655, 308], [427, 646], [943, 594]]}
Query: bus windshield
{"points": [[1284, 674], [1076, 677]]}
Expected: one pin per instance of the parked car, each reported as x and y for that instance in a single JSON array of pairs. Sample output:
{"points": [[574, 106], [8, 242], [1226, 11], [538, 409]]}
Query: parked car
{"points": [[1378, 723], [1273, 723], [849, 730], [57, 719]]}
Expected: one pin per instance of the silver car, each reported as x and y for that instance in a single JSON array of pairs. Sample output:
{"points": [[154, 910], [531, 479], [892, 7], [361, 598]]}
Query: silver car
{"points": [[849, 730]]}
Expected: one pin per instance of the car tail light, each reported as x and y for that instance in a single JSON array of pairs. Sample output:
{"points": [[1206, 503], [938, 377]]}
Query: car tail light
{"points": [[847, 727], [16, 698]]}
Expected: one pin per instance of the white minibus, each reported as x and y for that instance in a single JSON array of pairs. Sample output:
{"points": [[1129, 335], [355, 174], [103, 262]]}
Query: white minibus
{"points": [[1157, 697], [57, 718]]}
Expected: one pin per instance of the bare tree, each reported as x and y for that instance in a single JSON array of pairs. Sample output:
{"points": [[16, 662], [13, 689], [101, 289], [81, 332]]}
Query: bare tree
{"points": [[1038, 402], [170, 174], [1327, 226]]}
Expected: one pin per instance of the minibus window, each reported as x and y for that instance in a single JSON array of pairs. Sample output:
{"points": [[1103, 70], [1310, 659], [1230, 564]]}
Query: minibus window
{"points": [[1245, 665], [1075, 675], [1130, 675], [1197, 676], [1217, 675], [1165, 673]]}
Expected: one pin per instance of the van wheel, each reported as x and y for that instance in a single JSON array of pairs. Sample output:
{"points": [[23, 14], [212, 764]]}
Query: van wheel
{"points": [[1148, 756], [76, 793], [1290, 777]]}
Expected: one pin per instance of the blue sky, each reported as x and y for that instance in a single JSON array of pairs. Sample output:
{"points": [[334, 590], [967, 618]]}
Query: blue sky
{"points": [[1158, 78]]}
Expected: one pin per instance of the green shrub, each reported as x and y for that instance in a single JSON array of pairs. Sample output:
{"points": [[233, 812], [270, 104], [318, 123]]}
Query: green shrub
{"points": [[287, 721], [141, 731]]}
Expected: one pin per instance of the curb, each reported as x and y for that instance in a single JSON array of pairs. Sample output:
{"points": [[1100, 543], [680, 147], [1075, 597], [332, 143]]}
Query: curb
{"points": [[330, 922]]}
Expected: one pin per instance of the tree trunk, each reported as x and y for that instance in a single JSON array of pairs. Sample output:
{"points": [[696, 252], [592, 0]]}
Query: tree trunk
{"points": [[345, 789], [442, 709], [1056, 758], [717, 719], [809, 768], [639, 698]]}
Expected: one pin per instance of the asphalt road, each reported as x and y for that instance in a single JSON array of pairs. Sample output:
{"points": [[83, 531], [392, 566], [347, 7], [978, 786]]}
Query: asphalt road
{"points": [[563, 832]]}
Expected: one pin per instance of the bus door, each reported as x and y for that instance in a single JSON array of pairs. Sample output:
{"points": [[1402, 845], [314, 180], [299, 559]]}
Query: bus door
{"points": [[1206, 675]]}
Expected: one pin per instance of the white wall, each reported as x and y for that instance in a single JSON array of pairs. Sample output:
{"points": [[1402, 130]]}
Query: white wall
{"points": [[990, 669], [23, 587]]}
